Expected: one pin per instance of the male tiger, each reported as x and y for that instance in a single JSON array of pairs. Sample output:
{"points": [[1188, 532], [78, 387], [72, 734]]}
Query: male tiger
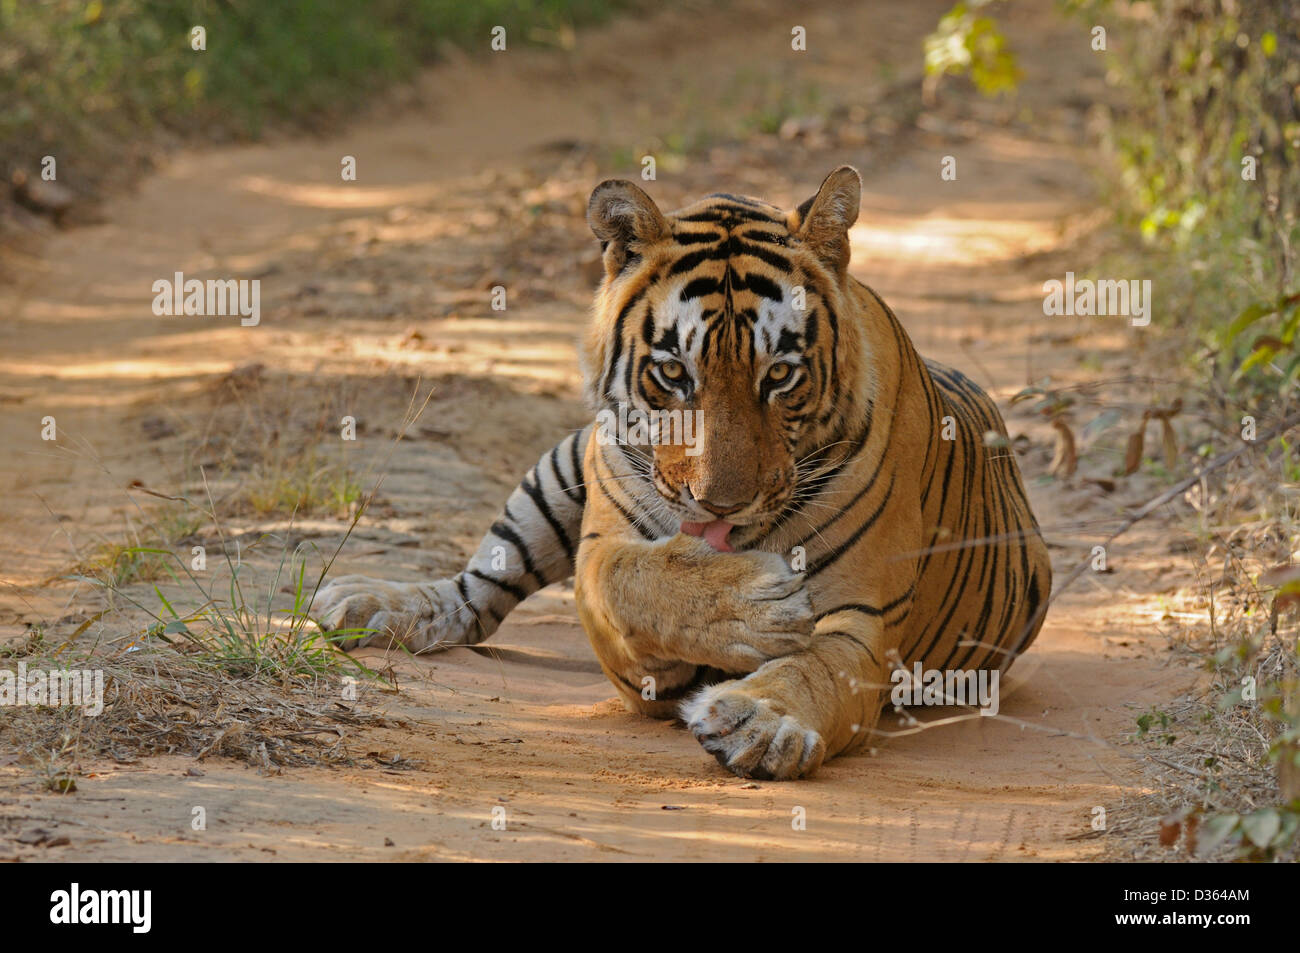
{"points": [[825, 440]]}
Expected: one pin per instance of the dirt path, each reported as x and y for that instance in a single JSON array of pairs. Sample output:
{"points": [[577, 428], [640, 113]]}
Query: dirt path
{"points": [[368, 286]]}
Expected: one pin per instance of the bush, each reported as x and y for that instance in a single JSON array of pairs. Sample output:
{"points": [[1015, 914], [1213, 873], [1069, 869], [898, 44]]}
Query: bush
{"points": [[91, 80]]}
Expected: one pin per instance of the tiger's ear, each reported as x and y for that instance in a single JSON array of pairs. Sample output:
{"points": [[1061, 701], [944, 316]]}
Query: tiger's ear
{"points": [[625, 220], [823, 222]]}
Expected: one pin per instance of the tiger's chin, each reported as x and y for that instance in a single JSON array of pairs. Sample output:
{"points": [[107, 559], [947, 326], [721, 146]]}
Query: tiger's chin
{"points": [[752, 534]]}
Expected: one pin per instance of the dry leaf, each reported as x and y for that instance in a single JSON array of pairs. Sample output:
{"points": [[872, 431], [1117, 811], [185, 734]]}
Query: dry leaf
{"points": [[1192, 823], [1268, 341], [1170, 442], [1175, 824], [1065, 459], [1133, 455]]}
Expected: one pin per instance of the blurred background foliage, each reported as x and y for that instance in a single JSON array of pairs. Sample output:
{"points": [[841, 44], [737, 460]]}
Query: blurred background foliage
{"points": [[1201, 168], [968, 42], [1209, 153], [1205, 159], [85, 77]]}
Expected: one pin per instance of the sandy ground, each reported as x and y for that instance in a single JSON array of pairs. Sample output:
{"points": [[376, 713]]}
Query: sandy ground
{"points": [[373, 286]]}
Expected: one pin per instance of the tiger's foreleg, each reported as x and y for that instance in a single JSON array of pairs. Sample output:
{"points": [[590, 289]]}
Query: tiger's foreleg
{"points": [[783, 720], [531, 544], [665, 616]]}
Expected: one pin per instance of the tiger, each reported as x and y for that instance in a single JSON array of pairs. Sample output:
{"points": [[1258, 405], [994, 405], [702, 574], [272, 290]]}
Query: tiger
{"points": [[842, 510]]}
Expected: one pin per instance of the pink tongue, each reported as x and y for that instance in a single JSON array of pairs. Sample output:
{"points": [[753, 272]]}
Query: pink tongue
{"points": [[715, 533]]}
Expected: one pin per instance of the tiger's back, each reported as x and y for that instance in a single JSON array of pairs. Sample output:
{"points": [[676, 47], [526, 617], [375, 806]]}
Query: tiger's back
{"points": [[986, 574]]}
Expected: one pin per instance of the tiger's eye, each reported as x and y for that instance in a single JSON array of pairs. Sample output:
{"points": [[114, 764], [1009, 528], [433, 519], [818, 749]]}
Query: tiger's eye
{"points": [[779, 372], [672, 370]]}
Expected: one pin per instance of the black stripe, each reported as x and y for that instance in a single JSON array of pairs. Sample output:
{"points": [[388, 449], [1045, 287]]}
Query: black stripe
{"points": [[739, 200], [703, 675], [464, 598], [692, 260], [1033, 599], [515, 591], [833, 556], [562, 479], [869, 610], [852, 638], [510, 536], [699, 287], [772, 258], [530, 487], [645, 533], [575, 454], [723, 213], [762, 286], [696, 238], [612, 363]]}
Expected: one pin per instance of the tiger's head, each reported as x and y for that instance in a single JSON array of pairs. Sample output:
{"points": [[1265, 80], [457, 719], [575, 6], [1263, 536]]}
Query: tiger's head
{"points": [[730, 328]]}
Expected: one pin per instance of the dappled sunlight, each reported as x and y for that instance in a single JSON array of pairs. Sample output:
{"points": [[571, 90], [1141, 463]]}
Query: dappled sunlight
{"points": [[935, 240], [343, 195], [137, 370]]}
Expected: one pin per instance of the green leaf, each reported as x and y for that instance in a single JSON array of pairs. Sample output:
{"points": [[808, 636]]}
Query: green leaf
{"points": [[1248, 317], [1103, 421], [1261, 355], [1217, 830], [1261, 826]]}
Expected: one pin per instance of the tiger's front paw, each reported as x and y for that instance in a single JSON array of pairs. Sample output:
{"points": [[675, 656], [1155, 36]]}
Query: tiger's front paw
{"points": [[749, 736], [375, 612], [757, 609]]}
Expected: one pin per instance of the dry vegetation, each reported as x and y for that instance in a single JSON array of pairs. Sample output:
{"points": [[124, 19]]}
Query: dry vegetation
{"points": [[175, 699]]}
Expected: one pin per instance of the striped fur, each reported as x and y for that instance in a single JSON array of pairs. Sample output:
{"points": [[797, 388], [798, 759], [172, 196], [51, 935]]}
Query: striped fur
{"points": [[905, 546]]}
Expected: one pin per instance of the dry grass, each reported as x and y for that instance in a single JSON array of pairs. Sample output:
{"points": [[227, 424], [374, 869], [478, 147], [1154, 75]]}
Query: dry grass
{"points": [[276, 448], [160, 700], [1211, 759], [116, 562], [221, 660]]}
